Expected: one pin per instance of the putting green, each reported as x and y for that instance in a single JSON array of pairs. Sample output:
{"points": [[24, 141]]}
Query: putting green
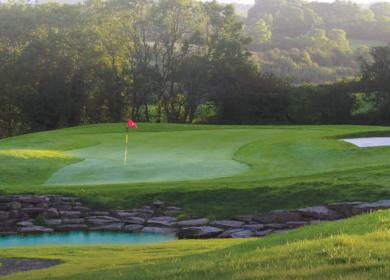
{"points": [[155, 156]]}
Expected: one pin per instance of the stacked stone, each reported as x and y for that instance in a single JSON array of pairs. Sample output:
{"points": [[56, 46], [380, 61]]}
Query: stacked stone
{"points": [[48, 213]]}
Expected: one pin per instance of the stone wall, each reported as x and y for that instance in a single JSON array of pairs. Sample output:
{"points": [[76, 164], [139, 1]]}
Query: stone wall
{"points": [[21, 214]]}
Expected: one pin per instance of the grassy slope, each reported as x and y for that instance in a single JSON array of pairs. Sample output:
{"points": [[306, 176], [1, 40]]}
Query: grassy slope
{"points": [[290, 166], [357, 248]]}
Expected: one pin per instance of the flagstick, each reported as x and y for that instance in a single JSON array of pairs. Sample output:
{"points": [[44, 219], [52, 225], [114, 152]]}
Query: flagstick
{"points": [[127, 140]]}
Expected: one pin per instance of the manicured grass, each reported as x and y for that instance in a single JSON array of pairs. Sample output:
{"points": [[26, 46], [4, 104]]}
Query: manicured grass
{"points": [[209, 170], [357, 248]]}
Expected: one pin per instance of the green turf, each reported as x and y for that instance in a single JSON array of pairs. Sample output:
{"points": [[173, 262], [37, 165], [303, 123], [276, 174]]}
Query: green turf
{"points": [[208, 170], [357, 248]]}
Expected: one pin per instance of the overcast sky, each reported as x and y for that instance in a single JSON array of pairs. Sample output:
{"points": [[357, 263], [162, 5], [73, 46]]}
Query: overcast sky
{"points": [[252, 1]]}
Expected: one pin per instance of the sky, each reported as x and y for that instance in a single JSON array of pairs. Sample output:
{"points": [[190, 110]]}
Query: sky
{"points": [[252, 1]]}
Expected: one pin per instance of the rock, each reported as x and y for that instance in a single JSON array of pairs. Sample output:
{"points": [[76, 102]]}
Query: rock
{"points": [[70, 214], [263, 232], [133, 228], [172, 211], [53, 222], [33, 199], [17, 214], [102, 220], [52, 213], [6, 198], [278, 216], [320, 212], [25, 224], [34, 229], [4, 215], [33, 210], [81, 209], [237, 233], [367, 207], [193, 223], [123, 214], [71, 227], [227, 224], [109, 227], [74, 221], [244, 218], [158, 230], [134, 220], [275, 226], [199, 232], [165, 221], [158, 204], [14, 205], [295, 224], [99, 213], [255, 227], [346, 208], [64, 207]]}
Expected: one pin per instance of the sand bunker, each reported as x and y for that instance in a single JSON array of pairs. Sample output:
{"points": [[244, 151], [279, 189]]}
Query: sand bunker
{"points": [[369, 141]]}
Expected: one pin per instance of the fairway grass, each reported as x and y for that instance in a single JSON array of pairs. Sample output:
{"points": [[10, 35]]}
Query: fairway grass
{"points": [[357, 248], [215, 171]]}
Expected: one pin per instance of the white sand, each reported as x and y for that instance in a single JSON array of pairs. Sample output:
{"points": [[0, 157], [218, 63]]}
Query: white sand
{"points": [[369, 141]]}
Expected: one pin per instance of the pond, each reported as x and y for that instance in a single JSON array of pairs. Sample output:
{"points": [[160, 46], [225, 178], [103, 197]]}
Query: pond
{"points": [[83, 238]]}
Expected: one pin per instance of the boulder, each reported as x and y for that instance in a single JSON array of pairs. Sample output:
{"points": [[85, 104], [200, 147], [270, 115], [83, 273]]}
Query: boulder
{"points": [[109, 227], [33, 210], [52, 213], [53, 222], [34, 229], [159, 204], [237, 233], [263, 232], [4, 215], [254, 227], [367, 207], [123, 214], [74, 221], [101, 220], [70, 214], [71, 227], [199, 232], [33, 199], [25, 224], [227, 224], [158, 230], [244, 218], [164, 221], [99, 213], [14, 205], [295, 224], [278, 216], [81, 208], [134, 220], [193, 223], [133, 228], [346, 208], [320, 212], [275, 226]]}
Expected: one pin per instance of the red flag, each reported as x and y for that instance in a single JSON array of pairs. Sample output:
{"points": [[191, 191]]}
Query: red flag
{"points": [[131, 124]]}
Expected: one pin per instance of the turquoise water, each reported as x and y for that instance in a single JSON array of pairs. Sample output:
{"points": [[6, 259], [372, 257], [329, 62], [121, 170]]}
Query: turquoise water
{"points": [[82, 238]]}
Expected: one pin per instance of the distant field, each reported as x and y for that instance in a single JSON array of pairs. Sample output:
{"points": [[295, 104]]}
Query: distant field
{"points": [[209, 170], [357, 248]]}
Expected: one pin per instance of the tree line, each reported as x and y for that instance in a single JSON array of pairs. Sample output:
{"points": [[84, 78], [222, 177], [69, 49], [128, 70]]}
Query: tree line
{"points": [[177, 61]]}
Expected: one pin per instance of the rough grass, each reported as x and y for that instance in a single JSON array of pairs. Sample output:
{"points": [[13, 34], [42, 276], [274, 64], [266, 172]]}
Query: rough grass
{"points": [[208, 170], [357, 248]]}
